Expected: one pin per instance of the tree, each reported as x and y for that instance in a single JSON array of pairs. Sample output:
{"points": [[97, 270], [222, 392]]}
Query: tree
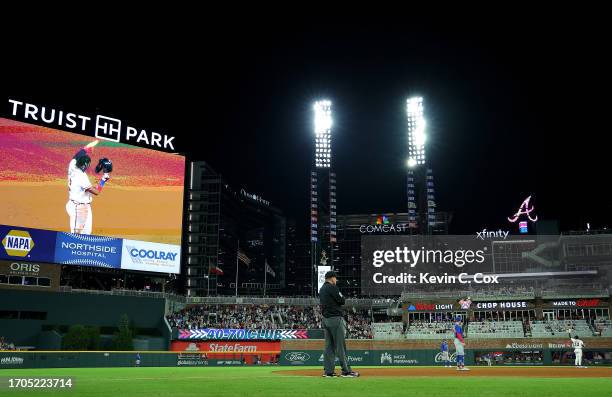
{"points": [[77, 338], [93, 334], [123, 338]]}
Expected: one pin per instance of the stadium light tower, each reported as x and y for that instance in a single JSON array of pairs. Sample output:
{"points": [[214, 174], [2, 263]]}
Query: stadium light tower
{"points": [[322, 194], [322, 126], [416, 132], [420, 183]]}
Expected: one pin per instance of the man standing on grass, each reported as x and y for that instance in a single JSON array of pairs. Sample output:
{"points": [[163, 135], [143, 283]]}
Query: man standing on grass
{"points": [[331, 300]]}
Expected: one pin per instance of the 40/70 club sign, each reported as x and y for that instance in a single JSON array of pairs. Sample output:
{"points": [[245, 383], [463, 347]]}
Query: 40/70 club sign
{"points": [[242, 334]]}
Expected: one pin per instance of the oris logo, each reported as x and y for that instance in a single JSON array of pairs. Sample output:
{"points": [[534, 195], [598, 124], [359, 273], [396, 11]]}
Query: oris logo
{"points": [[297, 357], [25, 267]]}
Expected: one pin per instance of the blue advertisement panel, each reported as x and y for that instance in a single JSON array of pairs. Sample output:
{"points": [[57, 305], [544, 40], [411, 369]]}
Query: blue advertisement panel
{"points": [[22, 243], [87, 250]]}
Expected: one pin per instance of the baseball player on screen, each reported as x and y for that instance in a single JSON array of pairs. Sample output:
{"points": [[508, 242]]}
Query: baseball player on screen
{"points": [[459, 345], [81, 191], [577, 344]]}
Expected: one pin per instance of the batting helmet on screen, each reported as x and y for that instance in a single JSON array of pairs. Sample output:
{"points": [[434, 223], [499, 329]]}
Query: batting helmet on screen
{"points": [[104, 165], [83, 162]]}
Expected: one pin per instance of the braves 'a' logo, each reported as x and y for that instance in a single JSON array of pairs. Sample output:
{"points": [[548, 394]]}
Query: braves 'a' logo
{"points": [[524, 210]]}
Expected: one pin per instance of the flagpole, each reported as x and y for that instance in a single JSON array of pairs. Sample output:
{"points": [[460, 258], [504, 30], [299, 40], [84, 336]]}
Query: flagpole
{"points": [[265, 276], [237, 266]]}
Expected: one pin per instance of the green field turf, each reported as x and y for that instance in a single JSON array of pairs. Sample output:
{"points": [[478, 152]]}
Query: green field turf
{"points": [[261, 381]]}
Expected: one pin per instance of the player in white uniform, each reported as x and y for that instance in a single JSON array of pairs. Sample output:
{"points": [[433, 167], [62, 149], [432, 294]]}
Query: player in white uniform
{"points": [[577, 344], [81, 191]]}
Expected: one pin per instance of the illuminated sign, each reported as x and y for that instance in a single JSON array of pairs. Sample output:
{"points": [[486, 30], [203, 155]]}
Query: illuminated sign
{"points": [[577, 303], [502, 305], [492, 234], [524, 209], [104, 127], [254, 197], [429, 306], [384, 225]]}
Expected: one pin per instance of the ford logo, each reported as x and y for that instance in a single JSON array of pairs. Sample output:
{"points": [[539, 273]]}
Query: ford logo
{"points": [[297, 356]]}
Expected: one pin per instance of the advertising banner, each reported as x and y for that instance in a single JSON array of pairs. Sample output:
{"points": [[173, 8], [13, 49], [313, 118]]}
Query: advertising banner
{"points": [[151, 257], [20, 243], [87, 250], [242, 334], [226, 347]]}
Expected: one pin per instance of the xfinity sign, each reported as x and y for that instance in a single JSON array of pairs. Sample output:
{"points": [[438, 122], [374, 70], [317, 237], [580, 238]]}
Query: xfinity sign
{"points": [[104, 127]]}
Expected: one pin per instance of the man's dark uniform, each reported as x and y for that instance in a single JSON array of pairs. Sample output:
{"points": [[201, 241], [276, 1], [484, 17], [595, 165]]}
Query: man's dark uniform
{"points": [[334, 326]]}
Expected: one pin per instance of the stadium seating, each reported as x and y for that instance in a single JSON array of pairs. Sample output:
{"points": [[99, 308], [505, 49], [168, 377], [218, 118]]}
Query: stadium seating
{"points": [[388, 331], [547, 329], [495, 329], [603, 328], [429, 330], [249, 316]]}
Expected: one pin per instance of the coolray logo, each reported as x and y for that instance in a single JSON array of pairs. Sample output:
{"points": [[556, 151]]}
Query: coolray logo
{"points": [[411, 257], [152, 257], [382, 220], [524, 346], [138, 254], [18, 243], [451, 358], [11, 361], [492, 234], [386, 358], [107, 128], [301, 357]]}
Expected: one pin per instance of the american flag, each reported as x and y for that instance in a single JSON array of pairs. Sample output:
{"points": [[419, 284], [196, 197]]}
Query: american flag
{"points": [[245, 259], [269, 270]]}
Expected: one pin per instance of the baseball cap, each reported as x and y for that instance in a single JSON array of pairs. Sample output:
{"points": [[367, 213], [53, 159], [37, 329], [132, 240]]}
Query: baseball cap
{"points": [[330, 274]]}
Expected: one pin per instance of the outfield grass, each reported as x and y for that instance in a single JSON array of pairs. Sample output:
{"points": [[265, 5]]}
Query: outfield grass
{"points": [[261, 381]]}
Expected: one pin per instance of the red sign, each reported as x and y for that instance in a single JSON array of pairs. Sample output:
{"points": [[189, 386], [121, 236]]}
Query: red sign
{"points": [[225, 347], [587, 302], [425, 306]]}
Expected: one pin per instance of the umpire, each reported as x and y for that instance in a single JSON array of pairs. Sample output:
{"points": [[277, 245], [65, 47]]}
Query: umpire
{"points": [[335, 328]]}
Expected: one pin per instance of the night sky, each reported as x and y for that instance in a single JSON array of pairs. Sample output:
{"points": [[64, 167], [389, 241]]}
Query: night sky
{"points": [[511, 110]]}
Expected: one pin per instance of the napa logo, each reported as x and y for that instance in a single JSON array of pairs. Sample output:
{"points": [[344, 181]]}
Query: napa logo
{"points": [[382, 220], [18, 243]]}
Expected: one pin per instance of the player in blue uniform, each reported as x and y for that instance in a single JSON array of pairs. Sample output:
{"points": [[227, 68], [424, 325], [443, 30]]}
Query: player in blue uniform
{"points": [[444, 354], [459, 345]]}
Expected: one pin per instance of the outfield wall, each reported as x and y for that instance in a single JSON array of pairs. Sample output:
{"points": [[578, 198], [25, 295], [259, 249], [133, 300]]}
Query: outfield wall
{"points": [[57, 309]]}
